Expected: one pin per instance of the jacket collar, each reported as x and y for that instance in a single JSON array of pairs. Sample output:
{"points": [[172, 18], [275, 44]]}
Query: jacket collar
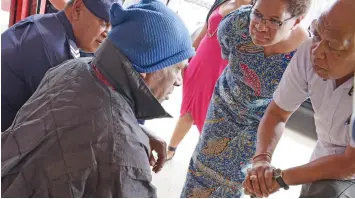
{"points": [[74, 50], [66, 24], [118, 71]]}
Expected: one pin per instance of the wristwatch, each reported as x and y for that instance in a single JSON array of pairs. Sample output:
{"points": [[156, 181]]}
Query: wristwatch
{"points": [[277, 175]]}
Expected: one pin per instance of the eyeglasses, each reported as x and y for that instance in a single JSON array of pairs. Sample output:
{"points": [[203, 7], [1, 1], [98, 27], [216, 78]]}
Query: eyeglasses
{"points": [[271, 23]]}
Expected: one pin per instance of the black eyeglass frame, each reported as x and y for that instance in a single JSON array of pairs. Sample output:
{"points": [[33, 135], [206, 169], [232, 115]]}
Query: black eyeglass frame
{"points": [[280, 23]]}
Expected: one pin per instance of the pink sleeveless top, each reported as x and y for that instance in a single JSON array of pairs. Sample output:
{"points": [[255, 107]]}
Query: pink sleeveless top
{"points": [[202, 73]]}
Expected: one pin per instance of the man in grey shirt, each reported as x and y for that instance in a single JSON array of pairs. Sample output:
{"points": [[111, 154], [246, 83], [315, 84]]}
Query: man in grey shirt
{"points": [[323, 70]]}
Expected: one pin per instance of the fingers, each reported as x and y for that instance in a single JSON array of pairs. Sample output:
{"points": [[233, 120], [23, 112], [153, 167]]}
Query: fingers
{"points": [[255, 183], [260, 179], [269, 179], [247, 184], [152, 160], [246, 192], [275, 186], [262, 184], [159, 147], [161, 161]]}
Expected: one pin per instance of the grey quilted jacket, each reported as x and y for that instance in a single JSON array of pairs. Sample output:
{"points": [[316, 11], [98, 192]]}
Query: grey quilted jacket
{"points": [[77, 137]]}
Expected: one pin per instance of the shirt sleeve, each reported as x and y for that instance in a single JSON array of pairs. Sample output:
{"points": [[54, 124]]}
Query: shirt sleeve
{"points": [[223, 36], [230, 27], [293, 88]]}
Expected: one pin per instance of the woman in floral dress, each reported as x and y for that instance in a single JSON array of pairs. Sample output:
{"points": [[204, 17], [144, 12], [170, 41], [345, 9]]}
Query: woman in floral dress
{"points": [[259, 42], [200, 77]]}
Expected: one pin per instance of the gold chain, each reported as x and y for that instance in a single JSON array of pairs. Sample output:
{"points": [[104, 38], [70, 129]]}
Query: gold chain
{"points": [[208, 33]]}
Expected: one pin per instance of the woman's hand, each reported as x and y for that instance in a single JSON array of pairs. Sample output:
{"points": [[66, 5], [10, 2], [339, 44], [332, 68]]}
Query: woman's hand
{"points": [[259, 180]]}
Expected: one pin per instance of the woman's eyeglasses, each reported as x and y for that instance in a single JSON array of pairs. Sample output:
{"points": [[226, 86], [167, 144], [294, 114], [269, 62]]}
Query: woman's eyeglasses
{"points": [[271, 23]]}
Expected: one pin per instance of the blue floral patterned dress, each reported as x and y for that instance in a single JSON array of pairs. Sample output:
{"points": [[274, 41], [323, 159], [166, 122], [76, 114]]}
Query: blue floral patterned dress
{"points": [[242, 93]]}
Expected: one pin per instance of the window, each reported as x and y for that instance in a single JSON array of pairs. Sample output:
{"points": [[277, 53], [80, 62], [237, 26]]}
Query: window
{"points": [[4, 14]]}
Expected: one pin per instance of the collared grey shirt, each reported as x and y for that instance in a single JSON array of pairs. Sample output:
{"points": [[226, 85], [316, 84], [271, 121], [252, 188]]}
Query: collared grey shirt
{"points": [[332, 105]]}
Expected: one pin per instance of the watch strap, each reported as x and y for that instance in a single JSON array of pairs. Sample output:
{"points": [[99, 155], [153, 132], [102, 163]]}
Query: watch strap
{"points": [[282, 183]]}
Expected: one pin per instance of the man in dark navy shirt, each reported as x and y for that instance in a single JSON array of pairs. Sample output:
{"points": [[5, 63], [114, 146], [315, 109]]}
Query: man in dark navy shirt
{"points": [[32, 46], [53, 6]]}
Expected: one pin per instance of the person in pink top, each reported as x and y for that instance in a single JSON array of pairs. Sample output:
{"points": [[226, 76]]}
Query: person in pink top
{"points": [[200, 77]]}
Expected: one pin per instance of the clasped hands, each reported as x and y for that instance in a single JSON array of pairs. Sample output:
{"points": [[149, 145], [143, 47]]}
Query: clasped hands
{"points": [[260, 181]]}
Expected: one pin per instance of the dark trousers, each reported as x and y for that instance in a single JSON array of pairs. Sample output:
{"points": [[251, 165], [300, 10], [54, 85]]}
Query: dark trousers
{"points": [[329, 189]]}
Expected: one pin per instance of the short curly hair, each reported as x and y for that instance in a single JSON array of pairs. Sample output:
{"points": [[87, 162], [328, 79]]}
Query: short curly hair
{"points": [[296, 7]]}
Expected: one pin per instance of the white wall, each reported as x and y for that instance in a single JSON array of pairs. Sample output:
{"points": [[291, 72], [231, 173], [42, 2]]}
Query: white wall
{"points": [[317, 7]]}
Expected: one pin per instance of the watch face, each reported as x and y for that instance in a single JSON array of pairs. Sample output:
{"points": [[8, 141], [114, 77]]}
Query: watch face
{"points": [[277, 173]]}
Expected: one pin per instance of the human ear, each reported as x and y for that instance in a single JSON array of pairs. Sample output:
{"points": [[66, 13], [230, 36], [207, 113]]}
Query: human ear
{"points": [[77, 8], [297, 21]]}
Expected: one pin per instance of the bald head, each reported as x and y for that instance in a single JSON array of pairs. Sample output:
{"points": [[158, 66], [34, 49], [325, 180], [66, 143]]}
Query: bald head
{"points": [[340, 16], [333, 49]]}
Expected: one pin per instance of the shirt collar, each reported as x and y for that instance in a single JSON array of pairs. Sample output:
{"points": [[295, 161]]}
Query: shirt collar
{"points": [[73, 48], [348, 84], [66, 24], [118, 72]]}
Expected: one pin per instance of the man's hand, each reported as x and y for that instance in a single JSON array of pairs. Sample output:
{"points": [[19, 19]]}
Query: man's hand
{"points": [[159, 146], [275, 185], [259, 180]]}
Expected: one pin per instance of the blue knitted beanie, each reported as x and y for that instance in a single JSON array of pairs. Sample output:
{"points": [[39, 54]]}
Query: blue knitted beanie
{"points": [[150, 34]]}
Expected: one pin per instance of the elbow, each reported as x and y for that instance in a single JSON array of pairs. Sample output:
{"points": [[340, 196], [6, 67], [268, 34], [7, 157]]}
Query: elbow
{"points": [[278, 113], [349, 171], [352, 166], [349, 156]]}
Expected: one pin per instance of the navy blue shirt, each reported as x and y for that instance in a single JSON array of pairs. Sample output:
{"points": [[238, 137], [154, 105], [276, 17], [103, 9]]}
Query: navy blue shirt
{"points": [[28, 49], [51, 9]]}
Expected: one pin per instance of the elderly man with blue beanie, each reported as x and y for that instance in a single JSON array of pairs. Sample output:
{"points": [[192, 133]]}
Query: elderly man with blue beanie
{"points": [[78, 135]]}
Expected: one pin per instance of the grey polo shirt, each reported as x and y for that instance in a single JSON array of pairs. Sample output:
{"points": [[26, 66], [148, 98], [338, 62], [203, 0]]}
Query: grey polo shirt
{"points": [[332, 106]]}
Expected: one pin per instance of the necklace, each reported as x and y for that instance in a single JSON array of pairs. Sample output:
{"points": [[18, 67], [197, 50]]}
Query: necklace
{"points": [[215, 31], [211, 35]]}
